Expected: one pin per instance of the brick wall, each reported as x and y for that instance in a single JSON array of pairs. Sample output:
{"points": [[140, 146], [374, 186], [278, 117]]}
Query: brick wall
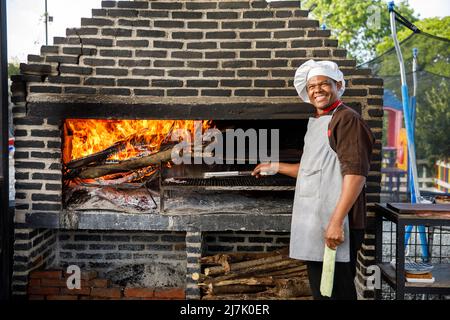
{"points": [[51, 284], [135, 265], [38, 188], [107, 251], [240, 241], [217, 50], [38, 165], [33, 249]]}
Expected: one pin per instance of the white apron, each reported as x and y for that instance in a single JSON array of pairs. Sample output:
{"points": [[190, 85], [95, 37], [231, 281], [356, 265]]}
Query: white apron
{"points": [[317, 192]]}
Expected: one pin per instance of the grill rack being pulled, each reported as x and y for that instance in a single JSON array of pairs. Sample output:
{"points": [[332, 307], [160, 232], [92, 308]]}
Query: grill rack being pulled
{"points": [[244, 183]]}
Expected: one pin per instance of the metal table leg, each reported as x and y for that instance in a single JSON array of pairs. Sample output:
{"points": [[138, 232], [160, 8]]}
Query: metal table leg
{"points": [[400, 261]]}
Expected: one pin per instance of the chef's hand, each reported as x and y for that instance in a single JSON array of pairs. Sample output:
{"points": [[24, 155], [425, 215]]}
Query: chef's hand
{"points": [[334, 235], [265, 169]]}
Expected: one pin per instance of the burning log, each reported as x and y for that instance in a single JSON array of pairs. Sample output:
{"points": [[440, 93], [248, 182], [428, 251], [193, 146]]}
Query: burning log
{"points": [[91, 142], [92, 165], [265, 276], [101, 156], [126, 165], [111, 180], [97, 157]]}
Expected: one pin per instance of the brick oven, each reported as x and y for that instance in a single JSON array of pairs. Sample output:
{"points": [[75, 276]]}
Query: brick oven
{"points": [[227, 62]]}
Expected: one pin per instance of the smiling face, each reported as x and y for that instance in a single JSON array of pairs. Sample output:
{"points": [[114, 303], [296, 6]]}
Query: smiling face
{"points": [[322, 91]]}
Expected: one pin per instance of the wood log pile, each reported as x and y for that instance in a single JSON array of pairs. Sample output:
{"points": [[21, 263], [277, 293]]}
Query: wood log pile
{"points": [[253, 276]]}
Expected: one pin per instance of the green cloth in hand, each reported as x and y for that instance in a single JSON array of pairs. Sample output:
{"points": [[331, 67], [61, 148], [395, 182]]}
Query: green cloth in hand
{"points": [[326, 282]]}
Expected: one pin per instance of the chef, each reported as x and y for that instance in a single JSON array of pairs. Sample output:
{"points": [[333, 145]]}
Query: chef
{"points": [[329, 205]]}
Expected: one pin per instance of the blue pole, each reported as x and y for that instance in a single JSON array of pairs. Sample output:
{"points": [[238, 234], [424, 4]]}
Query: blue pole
{"points": [[415, 196], [424, 243], [407, 115], [410, 140], [421, 228], [413, 108], [413, 98]]}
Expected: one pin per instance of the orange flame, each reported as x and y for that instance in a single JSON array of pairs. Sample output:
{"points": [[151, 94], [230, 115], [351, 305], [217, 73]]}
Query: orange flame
{"points": [[139, 136]]}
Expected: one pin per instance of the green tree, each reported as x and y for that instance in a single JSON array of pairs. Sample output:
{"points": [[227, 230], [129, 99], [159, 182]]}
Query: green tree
{"points": [[433, 82], [433, 123], [13, 68], [434, 55], [358, 25], [439, 27]]}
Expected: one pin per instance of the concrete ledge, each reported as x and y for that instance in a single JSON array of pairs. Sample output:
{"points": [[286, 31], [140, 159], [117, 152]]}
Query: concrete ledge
{"points": [[97, 220]]}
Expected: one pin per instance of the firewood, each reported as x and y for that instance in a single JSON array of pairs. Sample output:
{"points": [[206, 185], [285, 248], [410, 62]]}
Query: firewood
{"points": [[97, 157], [251, 281], [256, 276], [225, 263], [235, 288], [292, 269], [245, 264], [256, 281], [252, 296], [266, 267], [127, 165], [100, 156], [296, 269], [206, 279], [240, 256], [198, 276], [149, 173], [217, 259], [230, 297], [293, 287], [262, 272], [302, 275]]}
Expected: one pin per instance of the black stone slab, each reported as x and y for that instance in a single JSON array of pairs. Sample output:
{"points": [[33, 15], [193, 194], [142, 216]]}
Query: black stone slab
{"points": [[97, 220], [43, 220], [170, 112]]}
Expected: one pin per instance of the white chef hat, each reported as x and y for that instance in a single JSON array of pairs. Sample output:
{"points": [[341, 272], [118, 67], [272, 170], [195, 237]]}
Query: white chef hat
{"points": [[313, 68]]}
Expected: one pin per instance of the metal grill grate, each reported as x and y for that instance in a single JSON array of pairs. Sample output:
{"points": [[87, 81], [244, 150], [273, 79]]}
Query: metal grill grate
{"points": [[225, 184], [230, 182]]}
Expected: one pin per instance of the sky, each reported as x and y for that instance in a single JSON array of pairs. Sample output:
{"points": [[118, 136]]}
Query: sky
{"points": [[26, 28]]}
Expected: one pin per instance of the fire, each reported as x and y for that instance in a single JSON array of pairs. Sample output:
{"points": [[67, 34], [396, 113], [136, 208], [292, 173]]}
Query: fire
{"points": [[137, 137]]}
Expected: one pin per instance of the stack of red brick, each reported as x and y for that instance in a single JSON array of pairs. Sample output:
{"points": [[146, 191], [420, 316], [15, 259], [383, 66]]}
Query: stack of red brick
{"points": [[51, 285]]}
